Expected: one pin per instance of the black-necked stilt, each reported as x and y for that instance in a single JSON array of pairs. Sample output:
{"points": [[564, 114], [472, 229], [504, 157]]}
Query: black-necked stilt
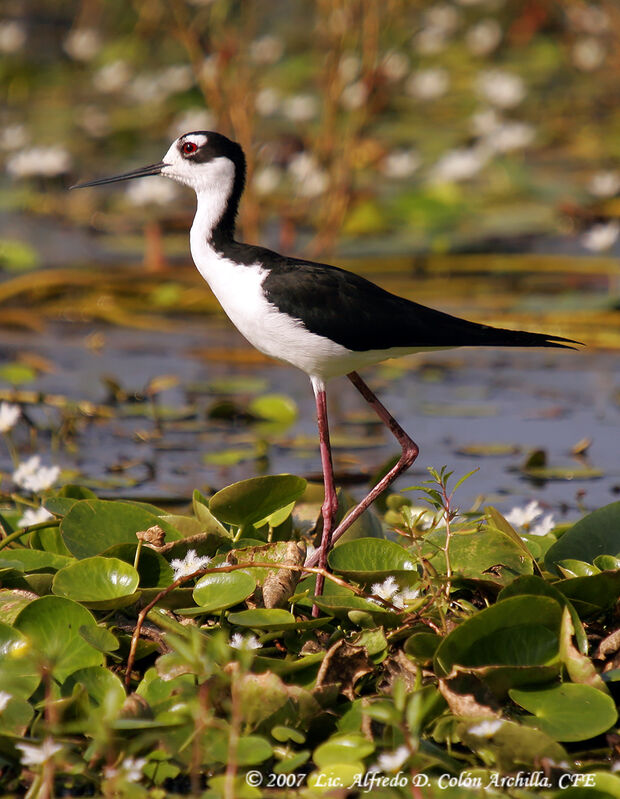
{"points": [[322, 319]]}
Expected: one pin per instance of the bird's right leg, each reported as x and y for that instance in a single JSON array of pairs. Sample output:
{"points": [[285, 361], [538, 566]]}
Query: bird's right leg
{"points": [[330, 503]]}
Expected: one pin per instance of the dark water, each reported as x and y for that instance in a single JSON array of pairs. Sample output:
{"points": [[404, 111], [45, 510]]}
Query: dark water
{"points": [[448, 401]]}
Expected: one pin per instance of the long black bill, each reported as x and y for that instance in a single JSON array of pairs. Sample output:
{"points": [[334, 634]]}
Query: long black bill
{"points": [[152, 169]]}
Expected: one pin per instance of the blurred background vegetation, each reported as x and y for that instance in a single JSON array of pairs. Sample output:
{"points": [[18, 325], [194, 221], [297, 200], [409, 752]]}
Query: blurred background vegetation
{"points": [[386, 127], [463, 153]]}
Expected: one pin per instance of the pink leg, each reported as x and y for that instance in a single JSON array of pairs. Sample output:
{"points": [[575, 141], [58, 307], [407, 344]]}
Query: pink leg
{"points": [[409, 454], [330, 504]]}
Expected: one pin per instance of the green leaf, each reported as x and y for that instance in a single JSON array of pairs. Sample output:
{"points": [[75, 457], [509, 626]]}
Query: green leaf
{"points": [[342, 749], [100, 638], [370, 559], [104, 583], [107, 523], [274, 408], [591, 595], [19, 672], [598, 533], [517, 638], [568, 711], [251, 500], [52, 625], [101, 685], [153, 568], [32, 560], [264, 619], [215, 592]]}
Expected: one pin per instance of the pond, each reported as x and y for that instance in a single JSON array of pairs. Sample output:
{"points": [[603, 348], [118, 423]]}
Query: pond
{"points": [[157, 438]]}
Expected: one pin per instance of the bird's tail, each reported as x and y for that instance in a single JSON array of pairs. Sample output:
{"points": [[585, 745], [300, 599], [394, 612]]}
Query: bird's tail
{"points": [[501, 337]]}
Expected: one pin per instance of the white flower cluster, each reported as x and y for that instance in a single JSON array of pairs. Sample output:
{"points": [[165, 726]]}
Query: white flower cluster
{"points": [[523, 517], [247, 643], [130, 770], [9, 414], [392, 592], [192, 562], [35, 477]]}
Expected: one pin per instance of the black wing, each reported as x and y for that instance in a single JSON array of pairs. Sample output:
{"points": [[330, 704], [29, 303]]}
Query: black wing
{"points": [[361, 316]]}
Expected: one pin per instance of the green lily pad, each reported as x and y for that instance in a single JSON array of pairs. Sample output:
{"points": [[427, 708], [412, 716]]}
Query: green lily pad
{"points": [[105, 583], [19, 674], [271, 619], [568, 711], [370, 559], [598, 533], [32, 560], [274, 408], [153, 568], [107, 523], [99, 638], [590, 595], [218, 591], [101, 685], [510, 745], [342, 749], [16, 717], [52, 624], [514, 641], [11, 603], [251, 500]]}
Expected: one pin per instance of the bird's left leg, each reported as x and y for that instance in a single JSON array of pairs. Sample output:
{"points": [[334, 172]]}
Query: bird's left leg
{"points": [[330, 503], [409, 454]]}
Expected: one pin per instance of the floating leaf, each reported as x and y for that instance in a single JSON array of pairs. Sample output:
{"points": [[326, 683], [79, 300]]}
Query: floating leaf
{"points": [[218, 591], [52, 624], [104, 583], [251, 500], [568, 711], [274, 408], [370, 559], [33, 560], [107, 523], [512, 642], [102, 686], [598, 533]]}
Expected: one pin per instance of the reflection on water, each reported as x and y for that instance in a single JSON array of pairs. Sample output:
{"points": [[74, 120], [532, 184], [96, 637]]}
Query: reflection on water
{"points": [[458, 405]]}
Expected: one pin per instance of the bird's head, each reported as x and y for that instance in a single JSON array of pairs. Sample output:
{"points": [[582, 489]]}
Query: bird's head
{"points": [[204, 160]]}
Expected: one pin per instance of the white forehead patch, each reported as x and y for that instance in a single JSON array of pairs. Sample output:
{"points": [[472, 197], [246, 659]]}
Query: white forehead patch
{"points": [[199, 139]]}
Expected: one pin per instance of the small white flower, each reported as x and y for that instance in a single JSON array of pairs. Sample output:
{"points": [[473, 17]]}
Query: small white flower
{"points": [[354, 95], [46, 161], [588, 54], [191, 563], [349, 67], [485, 122], [112, 77], [524, 516], [9, 414], [267, 179], [483, 38], [615, 767], [310, 177], [300, 107], [82, 44], [33, 755], [386, 589], [395, 66], [400, 164], [544, 526], [457, 165], [266, 50], [12, 36], [157, 191], [404, 597], [428, 84], [131, 768], [486, 728], [5, 698], [604, 184], [34, 477], [502, 89], [191, 119], [392, 761], [238, 641], [601, 237], [34, 516], [267, 101], [509, 136], [409, 566]]}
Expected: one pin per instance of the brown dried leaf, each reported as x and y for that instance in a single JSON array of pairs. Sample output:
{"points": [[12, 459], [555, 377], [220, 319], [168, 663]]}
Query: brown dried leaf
{"points": [[398, 666], [344, 664], [153, 537], [467, 696], [280, 584]]}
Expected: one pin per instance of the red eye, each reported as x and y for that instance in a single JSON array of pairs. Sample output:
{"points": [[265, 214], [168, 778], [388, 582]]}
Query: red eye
{"points": [[189, 147]]}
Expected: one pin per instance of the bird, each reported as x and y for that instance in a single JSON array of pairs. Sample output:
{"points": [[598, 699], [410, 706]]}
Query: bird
{"points": [[322, 319]]}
